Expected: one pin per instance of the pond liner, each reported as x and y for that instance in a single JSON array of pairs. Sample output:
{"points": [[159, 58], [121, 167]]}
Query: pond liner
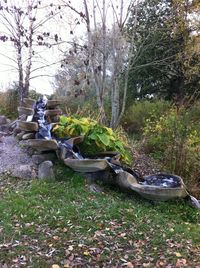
{"points": [[71, 151]]}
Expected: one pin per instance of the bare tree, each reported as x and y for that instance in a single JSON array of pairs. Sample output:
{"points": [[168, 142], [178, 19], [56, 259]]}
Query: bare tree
{"points": [[23, 30], [108, 51]]}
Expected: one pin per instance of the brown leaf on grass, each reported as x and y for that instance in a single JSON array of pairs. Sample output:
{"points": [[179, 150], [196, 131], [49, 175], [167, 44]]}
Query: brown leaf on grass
{"points": [[70, 248], [56, 238], [128, 265], [67, 252], [160, 263], [181, 263], [178, 254], [122, 234], [101, 225], [71, 257]]}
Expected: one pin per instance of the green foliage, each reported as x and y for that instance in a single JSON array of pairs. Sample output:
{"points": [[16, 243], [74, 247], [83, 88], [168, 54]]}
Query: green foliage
{"points": [[9, 103], [97, 138], [167, 56], [136, 115], [34, 95], [175, 140]]}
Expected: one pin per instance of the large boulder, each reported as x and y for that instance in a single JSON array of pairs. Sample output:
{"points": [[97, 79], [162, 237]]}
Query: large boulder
{"points": [[45, 171], [25, 171]]}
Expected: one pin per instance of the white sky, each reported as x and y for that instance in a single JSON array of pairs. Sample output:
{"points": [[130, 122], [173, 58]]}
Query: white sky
{"points": [[43, 83]]}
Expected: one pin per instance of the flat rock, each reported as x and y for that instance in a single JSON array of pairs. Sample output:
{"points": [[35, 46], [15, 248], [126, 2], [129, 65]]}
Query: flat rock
{"points": [[25, 110], [53, 103], [45, 170], [27, 126], [43, 145], [53, 112], [28, 103]]}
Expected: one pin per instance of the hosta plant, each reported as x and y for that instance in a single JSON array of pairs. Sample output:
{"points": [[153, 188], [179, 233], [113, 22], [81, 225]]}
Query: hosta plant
{"points": [[97, 137]]}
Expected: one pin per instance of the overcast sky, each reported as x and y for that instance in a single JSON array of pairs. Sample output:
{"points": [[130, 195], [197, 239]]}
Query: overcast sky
{"points": [[43, 83]]}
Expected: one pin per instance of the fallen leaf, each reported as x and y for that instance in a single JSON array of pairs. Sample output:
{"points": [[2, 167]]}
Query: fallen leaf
{"points": [[146, 264], [178, 254], [123, 234], [70, 248], [181, 263], [55, 266], [128, 265], [67, 252], [56, 237], [71, 257]]}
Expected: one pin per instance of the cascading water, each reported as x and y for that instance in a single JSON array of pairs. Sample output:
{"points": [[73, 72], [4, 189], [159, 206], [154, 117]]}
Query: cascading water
{"points": [[44, 131]]}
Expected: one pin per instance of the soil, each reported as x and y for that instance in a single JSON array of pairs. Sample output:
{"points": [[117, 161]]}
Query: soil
{"points": [[11, 155]]}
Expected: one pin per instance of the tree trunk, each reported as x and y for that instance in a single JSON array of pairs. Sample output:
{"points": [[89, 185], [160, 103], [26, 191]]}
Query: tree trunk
{"points": [[91, 52]]}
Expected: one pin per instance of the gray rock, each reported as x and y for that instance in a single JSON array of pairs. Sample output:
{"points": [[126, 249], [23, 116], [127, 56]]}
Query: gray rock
{"points": [[39, 158], [45, 170], [25, 171], [20, 135], [28, 136], [3, 120], [94, 188], [16, 131], [104, 176], [8, 121], [2, 134], [6, 127]]}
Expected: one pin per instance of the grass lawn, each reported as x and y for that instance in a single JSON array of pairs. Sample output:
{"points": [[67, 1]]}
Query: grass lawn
{"points": [[63, 224]]}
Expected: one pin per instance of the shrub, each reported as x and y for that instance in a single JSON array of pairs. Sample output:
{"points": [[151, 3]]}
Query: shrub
{"points": [[97, 138], [174, 139], [9, 103], [136, 115], [34, 95]]}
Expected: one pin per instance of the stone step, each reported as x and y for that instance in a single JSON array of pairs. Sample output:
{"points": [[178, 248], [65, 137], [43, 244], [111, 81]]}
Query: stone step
{"points": [[43, 145], [25, 111], [27, 126], [53, 103]]}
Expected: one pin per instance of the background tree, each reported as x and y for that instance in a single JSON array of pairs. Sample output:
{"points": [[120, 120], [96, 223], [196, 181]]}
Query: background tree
{"points": [[163, 35]]}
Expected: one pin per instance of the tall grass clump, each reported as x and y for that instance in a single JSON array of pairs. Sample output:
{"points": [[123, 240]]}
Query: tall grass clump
{"points": [[9, 103], [174, 139], [136, 115]]}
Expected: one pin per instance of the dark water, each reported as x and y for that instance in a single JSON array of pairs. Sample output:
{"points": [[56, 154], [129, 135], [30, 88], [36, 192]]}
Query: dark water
{"points": [[162, 180]]}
